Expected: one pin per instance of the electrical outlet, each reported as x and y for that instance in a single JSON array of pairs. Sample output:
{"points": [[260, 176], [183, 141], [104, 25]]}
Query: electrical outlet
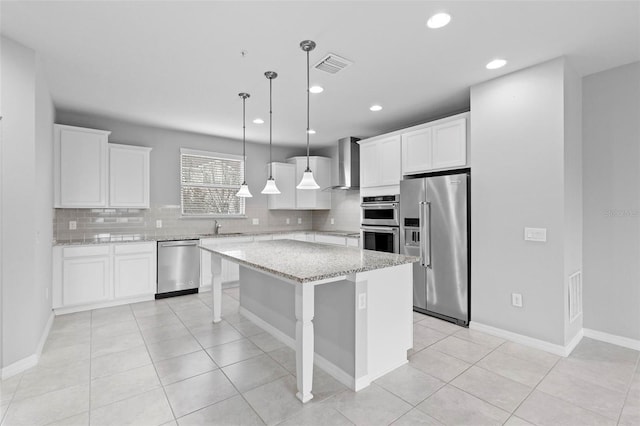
{"points": [[288, 221], [333, 221], [255, 221], [362, 301], [158, 223], [299, 221], [516, 300], [72, 224]]}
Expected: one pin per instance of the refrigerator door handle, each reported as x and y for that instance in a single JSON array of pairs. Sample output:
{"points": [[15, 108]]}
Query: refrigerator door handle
{"points": [[425, 230]]}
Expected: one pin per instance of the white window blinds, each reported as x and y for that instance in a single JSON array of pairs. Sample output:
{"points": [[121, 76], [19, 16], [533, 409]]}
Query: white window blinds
{"points": [[209, 182]]}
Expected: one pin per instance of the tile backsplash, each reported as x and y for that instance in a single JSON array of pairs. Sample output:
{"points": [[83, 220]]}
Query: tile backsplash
{"points": [[96, 224]]}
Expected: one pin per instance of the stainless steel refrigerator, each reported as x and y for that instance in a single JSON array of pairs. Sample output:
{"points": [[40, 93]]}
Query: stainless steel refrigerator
{"points": [[434, 221]]}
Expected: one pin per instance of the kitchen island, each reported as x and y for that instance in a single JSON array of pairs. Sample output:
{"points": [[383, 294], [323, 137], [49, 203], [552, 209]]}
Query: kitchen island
{"points": [[348, 308]]}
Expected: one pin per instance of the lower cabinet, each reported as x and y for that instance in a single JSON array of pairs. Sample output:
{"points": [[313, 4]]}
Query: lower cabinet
{"points": [[230, 270], [134, 270], [85, 277]]}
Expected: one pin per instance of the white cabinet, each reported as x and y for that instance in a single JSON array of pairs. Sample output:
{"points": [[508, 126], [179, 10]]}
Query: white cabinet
{"points": [[313, 199], [128, 176], [353, 242], [98, 275], [285, 177], [450, 144], [80, 167], [416, 151], [436, 147], [83, 275], [380, 162], [134, 269]]}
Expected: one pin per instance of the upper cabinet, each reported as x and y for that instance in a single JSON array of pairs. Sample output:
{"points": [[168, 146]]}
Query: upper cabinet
{"points": [[89, 172], [128, 176], [285, 176], [380, 162], [312, 199], [436, 147], [80, 167]]}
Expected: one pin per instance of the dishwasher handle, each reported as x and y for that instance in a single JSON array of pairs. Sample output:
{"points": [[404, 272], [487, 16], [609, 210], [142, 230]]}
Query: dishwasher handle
{"points": [[179, 243]]}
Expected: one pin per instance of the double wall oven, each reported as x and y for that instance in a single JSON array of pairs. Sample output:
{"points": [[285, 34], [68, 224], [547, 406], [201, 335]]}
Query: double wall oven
{"points": [[380, 223]]}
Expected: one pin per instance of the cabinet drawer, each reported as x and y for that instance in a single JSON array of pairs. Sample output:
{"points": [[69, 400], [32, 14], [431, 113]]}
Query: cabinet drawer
{"points": [[331, 239], [96, 250], [132, 248]]}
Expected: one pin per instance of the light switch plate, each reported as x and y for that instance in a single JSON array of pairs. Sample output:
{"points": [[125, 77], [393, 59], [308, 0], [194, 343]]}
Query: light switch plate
{"points": [[333, 221], [288, 221], [535, 234], [362, 301], [299, 221], [158, 223], [255, 221], [72, 224]]}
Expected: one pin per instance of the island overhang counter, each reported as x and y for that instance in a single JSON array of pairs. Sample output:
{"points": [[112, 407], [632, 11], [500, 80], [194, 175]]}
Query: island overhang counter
{"points": [[348, 308]]}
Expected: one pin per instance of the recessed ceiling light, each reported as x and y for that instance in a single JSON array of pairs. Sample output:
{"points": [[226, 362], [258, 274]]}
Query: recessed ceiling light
{"points": [[375, 107], [312, 132], [316, 89], [438, 20], [258, 121], [496, 63]]}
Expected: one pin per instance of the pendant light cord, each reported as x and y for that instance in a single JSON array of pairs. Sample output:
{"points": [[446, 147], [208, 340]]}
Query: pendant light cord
{"points": [[308, 112], [244, 153], [270, 129]]}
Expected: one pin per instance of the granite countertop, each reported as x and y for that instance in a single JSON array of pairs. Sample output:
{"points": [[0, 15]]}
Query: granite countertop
{"points": [[304, 262], [138, 238]]}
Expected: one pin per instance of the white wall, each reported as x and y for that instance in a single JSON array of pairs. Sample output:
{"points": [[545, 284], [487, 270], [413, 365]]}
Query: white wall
{"points": [[27, 114], [611, 155], [518, 179]]}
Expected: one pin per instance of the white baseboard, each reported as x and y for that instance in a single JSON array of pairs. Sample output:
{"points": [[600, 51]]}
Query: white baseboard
{"points": [[32, 360], [555, 349], [612, 338], [106, 304], [326, 365]]}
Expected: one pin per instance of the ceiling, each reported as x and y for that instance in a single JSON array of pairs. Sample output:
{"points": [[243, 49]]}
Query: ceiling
{"points": [[178, 64]]}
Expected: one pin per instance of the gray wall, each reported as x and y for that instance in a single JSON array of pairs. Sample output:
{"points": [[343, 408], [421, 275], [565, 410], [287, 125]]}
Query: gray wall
{"points": [[518, 175], [611, 155], [27, 196]]}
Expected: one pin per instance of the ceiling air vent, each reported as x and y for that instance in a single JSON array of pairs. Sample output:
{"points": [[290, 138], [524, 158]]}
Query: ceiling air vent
{"points": [[332, 63]]}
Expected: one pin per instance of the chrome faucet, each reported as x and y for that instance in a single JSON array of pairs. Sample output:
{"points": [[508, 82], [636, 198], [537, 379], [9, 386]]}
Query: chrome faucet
{"points": [[216, 227]]}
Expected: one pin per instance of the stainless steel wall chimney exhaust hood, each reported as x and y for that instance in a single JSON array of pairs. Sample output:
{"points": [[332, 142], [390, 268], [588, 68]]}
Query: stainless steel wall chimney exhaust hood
{"points": [[346, 167]]}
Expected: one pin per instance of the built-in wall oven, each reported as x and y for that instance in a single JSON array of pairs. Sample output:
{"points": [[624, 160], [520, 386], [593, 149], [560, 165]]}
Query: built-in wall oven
{"points": [[380, 223]]}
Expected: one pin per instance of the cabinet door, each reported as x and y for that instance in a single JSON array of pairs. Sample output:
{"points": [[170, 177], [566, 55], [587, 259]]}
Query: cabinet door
{"points": [[369, 165], [305, 198], [285, 177], [331, 239], [450, 144], [416, 151], [128, 176], [80, 167], [321, 167], [134, 275], [389, 155], [85, 280], [353, 242]]}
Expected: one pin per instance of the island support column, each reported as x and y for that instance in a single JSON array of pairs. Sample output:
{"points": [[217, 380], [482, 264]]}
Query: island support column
{"points": [[216, 287], [304, 340]]}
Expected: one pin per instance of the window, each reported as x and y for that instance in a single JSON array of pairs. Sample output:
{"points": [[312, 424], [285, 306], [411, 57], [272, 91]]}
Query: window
{"points": [[209, 182]]}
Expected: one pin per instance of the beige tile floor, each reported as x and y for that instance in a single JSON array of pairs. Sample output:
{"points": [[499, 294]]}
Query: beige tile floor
{"points": [[164, 362]]}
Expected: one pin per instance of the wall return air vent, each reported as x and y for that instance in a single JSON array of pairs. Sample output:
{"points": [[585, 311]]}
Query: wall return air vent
{"points": [[332, 63]]}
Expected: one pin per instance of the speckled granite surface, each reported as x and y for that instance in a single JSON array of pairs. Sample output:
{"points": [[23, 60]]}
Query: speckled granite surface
{"points": [[303, 261], [133, 238]]}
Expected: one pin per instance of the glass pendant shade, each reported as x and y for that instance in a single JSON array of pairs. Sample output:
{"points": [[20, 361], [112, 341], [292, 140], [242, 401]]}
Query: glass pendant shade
{"points": [[271, 188], [308, 182], [244, 191]]}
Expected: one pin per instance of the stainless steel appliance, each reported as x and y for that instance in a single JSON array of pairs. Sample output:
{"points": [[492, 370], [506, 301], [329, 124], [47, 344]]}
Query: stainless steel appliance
{"points": [[434, 225], [345, 167], [382, 210], [178, 268], [381, 238], [380, 221]]}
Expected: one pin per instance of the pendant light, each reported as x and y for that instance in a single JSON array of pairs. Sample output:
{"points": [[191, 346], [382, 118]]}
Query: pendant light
{"points": [[244, 188], [308, 182], [270, 187]]}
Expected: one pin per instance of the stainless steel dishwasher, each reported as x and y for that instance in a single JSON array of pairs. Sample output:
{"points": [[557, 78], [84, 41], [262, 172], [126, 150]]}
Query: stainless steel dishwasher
{"points": [[178, 268]]}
